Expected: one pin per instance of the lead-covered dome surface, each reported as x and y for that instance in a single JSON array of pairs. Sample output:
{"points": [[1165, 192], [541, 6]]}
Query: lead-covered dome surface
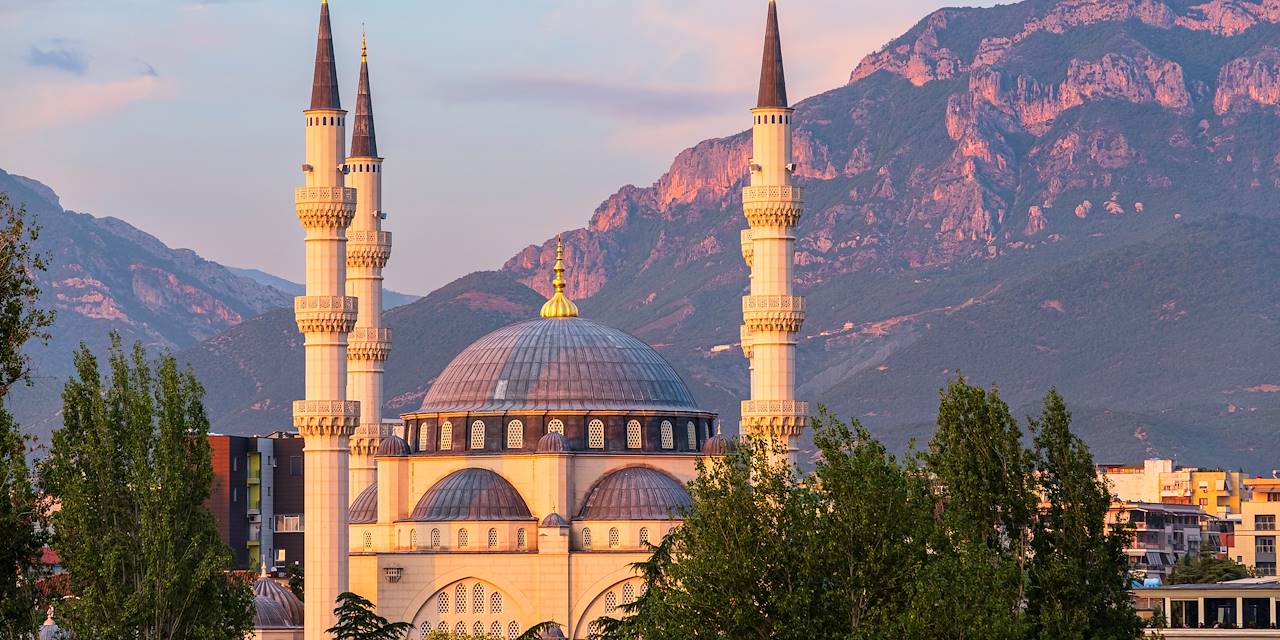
{"points": [[275, 605], [558, 363], [471, 494], [636, 493], [364, 509]]}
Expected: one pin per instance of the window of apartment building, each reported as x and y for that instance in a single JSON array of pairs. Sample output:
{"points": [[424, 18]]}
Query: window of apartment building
{"points": [[1204, 502], [1273, 497], [1265, 544], [235, 463], [235, 493], [279, 556], [1265, 568], [295, 465], [1264, 522], [289, 523]]}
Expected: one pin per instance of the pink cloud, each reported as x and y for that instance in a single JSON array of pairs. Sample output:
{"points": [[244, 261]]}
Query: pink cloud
{"points": [[63, 103]]}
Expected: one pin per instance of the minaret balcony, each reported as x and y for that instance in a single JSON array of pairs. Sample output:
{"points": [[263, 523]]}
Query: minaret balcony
{"points": [[773, 205], [369, 343], [773, 313], [326, 418], [368, 249], [744, 334], [325, 314], [325, 207], [748, 246], [776, 417]]}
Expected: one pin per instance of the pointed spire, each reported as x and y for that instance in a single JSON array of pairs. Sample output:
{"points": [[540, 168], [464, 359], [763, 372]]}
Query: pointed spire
{"points": [[324, 86], [364, 142], [559, 305], [773, 84], [263, 574]]}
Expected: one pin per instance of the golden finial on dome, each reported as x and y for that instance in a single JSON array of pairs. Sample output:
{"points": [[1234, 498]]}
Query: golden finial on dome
{"points": [[559, 305]]}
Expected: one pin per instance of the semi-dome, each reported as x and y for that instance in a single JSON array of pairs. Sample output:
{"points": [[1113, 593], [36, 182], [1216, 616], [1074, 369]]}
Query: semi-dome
{"points": [[565, 363], [269, 591], [553, 443], [364, 509], [471, 494], [717, 445], [392, 445], [636, 493]]}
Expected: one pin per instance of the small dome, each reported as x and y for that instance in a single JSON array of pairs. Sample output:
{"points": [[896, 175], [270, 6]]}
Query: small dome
{"points": [[636, 493], [471, 494], [553, 443], [364, 509], [49, 630], [267, 590], [268, 614], [553, 519], [554, 633], [393, 446], [716, 446]]}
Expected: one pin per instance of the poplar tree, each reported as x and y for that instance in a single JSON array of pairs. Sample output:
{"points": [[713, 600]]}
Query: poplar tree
{"points": [[23, 511], [131, 468]]}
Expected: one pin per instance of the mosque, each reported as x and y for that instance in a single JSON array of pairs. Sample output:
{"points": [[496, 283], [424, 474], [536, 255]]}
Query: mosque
{"points": [[548, 454]]}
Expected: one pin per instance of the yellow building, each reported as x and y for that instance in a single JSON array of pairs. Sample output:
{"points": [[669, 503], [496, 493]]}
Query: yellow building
{"points": [[1254, 543], [1218, 492]]}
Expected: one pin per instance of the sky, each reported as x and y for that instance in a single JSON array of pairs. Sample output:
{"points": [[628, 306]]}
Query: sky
{"points": [[502, 122]]}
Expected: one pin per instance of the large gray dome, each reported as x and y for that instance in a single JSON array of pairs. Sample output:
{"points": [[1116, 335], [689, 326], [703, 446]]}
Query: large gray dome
{"points": [[471, 494], [636, 493], [558, 363]]}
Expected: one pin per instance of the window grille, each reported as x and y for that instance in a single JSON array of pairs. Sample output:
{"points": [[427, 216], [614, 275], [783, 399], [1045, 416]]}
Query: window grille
{"points": [[460, 629], [493, 538], [521, 540], [644, 535], [477, 629], [495, 629], [668, 435], [586, 539], [515, 435], [613, 537], [513, 630], [477, 599], [442, 605], [595, 435], [628, 594], [424, 438], [634, 440], [460, 599], [435, 538], [495, 603], [477, 434], [693, 436], [413, 538], [368, 540], [610, 602], [425, 629], [555, 426], [446, 436], [463, 541]]}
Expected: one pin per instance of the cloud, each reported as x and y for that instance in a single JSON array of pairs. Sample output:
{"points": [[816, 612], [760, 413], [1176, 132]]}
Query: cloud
{"points": [[60, 58], [71, 102], [607, 98]]}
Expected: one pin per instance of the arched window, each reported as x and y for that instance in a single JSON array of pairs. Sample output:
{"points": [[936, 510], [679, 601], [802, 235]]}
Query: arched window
{"points": [[644, 535], [593, 628], [555, 426], [693, 436], [628, 594], [477, 434], [493, 538], [614, 538], [495, 603], [446, 436], [435, 538], [460, 599], [477, 600], [442, 605], [460, 629], [413, 538], [521, 539], [368, 540], [668, 435], [586, 539], [595, 435], [634, 440], [495, 629], [444, 627], [424, 438], [515, 435], [477, 629], [610, 602], [425, 629], [513, 630], [463, 542]]}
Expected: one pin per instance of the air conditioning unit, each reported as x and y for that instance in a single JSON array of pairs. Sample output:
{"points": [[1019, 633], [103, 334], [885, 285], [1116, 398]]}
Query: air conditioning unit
{"points": [[255, 518]]}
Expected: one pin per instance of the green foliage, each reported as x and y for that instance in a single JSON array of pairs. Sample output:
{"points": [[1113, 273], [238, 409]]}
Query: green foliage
{"points": [[131, 468], [357, 620], [1206, 568], [296, 580], [951, 543], [23, 511]]}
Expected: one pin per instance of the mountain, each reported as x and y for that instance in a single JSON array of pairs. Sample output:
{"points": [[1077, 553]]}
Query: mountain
{"points": [[390, 299], [1079, 193], [105, 275]]}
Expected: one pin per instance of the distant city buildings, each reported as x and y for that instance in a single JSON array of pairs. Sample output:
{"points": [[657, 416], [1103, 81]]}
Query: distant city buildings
{"points": [[257, 497]]}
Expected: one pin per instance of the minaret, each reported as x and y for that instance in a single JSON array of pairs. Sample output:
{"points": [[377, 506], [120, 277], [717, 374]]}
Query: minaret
{"points": [[772, 314], [325, 315], [368, 248]]}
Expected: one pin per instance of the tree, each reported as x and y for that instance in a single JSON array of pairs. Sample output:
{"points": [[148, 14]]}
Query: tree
{"points": [[296, 580], [357, 620], [23, 511], [1206, 568], [131, 468], [1079, 573]]}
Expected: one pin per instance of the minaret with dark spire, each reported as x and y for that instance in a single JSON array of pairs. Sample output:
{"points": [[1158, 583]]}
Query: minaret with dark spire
{"points": [[772, 314], [325, 315], [368, 249]]}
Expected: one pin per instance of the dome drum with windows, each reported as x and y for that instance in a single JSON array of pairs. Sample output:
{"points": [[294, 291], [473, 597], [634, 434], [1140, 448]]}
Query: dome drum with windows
{"points": [[601, 389]]}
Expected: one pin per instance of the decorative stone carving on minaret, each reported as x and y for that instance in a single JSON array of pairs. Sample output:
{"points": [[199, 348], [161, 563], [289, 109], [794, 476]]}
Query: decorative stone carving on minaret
{"points": [[368, 249], [325, 315], [772, 315]]}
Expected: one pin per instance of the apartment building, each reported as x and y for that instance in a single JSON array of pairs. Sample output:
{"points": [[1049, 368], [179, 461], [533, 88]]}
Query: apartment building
{"points": [[250, 489], [1255, 534], [1163, 534]]}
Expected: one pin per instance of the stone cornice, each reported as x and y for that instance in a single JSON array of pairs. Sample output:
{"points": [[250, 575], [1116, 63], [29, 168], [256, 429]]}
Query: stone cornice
{"points": [[748, 247], [744, 334], [773, 205], [324, 314], [326, 418], [325, 207], [368, 248], [774, 417], [773, 313]]}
